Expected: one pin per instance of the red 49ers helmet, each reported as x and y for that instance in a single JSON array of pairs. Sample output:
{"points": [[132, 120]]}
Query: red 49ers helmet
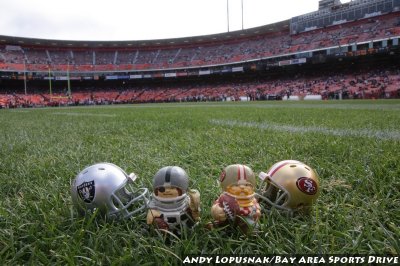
{"points": [[290, 185]]}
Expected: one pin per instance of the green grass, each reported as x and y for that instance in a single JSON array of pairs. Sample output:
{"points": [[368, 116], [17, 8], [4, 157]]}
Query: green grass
{"points": [[353, 145]]}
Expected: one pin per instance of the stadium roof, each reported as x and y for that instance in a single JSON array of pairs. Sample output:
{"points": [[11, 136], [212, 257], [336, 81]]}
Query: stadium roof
{"points": [[195, 40]]}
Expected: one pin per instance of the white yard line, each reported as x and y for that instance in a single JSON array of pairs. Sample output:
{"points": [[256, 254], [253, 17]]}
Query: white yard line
{"points": [[370, 133], [19, 111], [84, 114]]}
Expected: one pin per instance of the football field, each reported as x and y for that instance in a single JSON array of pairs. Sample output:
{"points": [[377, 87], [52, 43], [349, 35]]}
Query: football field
{"points": [[353, 145]]}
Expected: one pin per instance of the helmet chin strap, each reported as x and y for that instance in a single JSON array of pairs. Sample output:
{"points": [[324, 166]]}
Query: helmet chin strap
{"points": [[262, 175], [132, 176]]}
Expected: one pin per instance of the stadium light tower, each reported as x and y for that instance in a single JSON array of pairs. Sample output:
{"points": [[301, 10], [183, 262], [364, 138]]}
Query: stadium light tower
{"points": [[50, 90], [242, 14], [69, 82], [227, 12], [25, 76]]}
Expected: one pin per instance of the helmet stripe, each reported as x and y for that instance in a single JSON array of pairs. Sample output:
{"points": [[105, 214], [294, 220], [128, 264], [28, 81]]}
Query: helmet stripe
{"points": [[277, 168], [168, 175], [241, 173]]}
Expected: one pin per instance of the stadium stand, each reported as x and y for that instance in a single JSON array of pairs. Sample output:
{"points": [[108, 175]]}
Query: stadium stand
{"points": [[275, 44], [256, 64], [355, 85]]}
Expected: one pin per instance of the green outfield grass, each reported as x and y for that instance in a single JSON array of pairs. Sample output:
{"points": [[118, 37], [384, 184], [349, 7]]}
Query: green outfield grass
{"points": [[353, 145]]}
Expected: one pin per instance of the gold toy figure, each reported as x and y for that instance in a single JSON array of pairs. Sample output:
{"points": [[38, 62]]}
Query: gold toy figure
{"points": [[172, 204], [237, 204], [290, 186]]}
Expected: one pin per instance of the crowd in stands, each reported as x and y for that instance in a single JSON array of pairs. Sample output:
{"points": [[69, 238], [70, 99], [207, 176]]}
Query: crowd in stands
{"points": [[375, 83], [365, 84], [278, 43]]}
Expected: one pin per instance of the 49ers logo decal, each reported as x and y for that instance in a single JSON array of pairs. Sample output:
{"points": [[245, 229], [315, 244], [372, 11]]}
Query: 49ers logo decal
{"points": [[307, 185]]}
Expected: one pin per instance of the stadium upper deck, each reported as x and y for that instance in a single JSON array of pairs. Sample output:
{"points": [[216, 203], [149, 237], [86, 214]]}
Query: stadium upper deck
{"points": [[375, 24], [39, 54]]}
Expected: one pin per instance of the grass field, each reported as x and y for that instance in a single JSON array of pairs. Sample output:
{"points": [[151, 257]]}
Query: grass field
{"points": [[353, 145]]}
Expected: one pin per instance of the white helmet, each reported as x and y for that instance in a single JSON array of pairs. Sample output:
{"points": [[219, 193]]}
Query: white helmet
{"points": [[107, 187]]}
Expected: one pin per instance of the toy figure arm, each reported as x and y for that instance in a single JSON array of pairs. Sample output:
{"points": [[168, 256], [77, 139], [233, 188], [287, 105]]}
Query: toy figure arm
{"points": [[218, 213], [151, 215], [155, 217], [194, 204]]}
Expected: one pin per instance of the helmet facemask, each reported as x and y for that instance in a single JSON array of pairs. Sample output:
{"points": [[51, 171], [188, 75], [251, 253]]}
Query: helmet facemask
{"points": [[273, 194], [128, 200]]}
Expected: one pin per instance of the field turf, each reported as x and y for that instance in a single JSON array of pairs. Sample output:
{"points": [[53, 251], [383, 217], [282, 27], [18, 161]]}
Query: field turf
{"points": [[353, 145]]}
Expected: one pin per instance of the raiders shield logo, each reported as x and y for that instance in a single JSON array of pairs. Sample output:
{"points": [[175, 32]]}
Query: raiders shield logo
{"points": [[307, 185], [86, 191]]}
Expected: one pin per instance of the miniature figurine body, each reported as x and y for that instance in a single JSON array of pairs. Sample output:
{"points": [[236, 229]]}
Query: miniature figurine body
{"points": [[173, 205], [237, 204]]}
